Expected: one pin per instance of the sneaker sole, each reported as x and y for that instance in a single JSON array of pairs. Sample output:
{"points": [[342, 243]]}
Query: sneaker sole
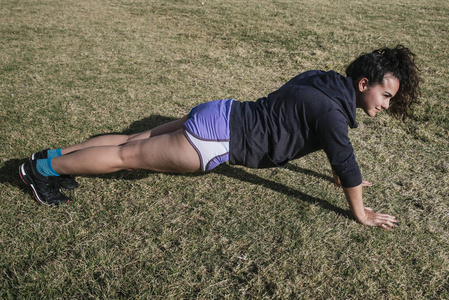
{"points": [[23, 175]]}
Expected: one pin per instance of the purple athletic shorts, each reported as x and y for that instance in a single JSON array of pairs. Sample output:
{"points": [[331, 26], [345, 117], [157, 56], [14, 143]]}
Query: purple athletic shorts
{"points": [[207, 130]]}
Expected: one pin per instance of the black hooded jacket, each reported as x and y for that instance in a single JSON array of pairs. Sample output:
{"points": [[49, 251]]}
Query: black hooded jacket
{"points": [[310, 112]]}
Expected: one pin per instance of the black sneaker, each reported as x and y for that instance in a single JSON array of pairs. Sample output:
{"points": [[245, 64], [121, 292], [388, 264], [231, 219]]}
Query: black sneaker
{"points": [[66, 182], [45, 189]]}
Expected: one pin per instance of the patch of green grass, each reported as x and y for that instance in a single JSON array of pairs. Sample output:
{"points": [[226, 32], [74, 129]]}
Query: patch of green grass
{"points": [[74, 69]]}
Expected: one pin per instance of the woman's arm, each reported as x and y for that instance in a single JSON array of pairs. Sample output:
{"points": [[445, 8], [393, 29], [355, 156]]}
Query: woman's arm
{"points": [[364, 214]]}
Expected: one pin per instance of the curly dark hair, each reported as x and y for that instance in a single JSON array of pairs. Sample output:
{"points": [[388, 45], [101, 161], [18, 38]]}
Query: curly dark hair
{"points": [[398, 61]]}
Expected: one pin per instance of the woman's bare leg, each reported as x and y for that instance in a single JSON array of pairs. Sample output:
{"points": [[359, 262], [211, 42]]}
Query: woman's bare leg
{"points": [[163, 153], [118, 139]]}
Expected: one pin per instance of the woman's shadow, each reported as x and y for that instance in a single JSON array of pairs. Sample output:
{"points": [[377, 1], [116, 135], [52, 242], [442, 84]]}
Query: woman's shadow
{"points": [[9, 171]]}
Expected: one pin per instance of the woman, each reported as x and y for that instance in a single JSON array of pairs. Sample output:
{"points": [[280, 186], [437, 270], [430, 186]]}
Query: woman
{"points": [[310, 112]]}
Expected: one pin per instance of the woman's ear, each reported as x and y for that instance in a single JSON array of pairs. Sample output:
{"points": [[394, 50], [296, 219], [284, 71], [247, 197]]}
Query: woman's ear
{"points": [[363, 84]]}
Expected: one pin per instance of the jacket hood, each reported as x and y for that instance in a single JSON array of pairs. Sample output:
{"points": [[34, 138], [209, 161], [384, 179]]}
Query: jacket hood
{"points": [[341, 90]]}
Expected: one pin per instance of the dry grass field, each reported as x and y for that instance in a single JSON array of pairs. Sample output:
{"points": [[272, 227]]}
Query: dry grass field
{"points": [[71, 70]]}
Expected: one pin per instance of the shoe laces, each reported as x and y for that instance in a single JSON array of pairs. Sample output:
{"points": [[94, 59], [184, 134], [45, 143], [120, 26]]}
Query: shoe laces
{"points": [[51, 185]]}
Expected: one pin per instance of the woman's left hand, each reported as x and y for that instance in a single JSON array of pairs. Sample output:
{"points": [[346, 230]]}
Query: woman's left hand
{"points": [[380, 220], [366, 183]]}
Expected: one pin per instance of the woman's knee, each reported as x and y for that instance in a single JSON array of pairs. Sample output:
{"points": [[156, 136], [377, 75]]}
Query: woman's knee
{"points": [[127, 155], [131, 137]]}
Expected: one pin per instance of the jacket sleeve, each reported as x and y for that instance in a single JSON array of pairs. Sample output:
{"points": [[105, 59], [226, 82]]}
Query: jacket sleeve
{"points": [[332, 132]]}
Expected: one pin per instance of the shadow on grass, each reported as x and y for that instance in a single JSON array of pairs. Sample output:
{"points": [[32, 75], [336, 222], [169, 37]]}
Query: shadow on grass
{"points": [[10, 171], [242, 175]]}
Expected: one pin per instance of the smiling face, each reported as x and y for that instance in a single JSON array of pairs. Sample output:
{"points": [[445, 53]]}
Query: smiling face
{"points": [[373, 98]]}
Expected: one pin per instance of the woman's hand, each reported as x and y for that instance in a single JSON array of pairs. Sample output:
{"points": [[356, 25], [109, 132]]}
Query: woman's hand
{"points": [[380, 220], [366, 183], [365, 215]]}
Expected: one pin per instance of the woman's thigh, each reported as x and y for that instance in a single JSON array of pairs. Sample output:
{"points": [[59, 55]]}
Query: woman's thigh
{"points": [[162, 153]]}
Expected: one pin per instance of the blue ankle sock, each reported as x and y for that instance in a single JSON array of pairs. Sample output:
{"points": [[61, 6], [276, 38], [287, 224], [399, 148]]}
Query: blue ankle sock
{"points": [[45, 168], [54, 153]]}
